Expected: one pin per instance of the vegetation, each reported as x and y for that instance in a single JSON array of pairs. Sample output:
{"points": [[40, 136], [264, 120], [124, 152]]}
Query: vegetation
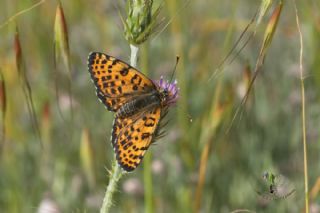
{"points": [[55, 150]]}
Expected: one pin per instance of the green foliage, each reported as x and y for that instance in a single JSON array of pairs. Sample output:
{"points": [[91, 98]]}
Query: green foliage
{"points": [[201, 164]]}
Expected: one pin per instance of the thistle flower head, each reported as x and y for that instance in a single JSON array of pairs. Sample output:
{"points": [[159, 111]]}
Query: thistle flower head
{"points": [[141, 21], [171, 89]]}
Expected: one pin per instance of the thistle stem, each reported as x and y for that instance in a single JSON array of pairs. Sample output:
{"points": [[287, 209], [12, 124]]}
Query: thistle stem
{"points": [[134, 55], [115, 176]]}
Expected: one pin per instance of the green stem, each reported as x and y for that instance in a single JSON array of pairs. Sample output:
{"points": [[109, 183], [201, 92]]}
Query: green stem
{"points": [[134, 55], [303, 115], [148, 189], [115, 176], [147, 175]]}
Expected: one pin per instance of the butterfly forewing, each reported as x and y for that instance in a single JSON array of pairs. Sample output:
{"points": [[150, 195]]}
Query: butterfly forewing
{"points": [[131, 137], [116, 81]]}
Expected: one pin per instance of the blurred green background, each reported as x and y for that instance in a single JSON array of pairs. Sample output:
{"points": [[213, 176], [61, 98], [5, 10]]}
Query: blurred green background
{"points": [[199, 166]]}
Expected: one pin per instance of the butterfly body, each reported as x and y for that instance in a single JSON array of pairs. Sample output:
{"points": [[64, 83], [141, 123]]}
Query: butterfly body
{"points": [[139, 104], [135, 106]]}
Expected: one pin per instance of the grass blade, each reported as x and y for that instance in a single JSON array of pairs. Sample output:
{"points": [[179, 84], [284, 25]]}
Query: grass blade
{"points": [[25, 84]]}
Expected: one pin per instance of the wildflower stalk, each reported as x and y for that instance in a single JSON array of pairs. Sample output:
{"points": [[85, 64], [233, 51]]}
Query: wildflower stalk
{"points": [[115, 176], [147, 175], [303, 115], [134, 55]]}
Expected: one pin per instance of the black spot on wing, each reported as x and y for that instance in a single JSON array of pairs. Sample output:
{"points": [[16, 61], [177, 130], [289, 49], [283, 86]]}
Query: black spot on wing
{"points": [[124, 71]]}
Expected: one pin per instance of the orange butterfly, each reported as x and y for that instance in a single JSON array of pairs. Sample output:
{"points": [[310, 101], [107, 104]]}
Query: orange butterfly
{"points": [[138, 102]]}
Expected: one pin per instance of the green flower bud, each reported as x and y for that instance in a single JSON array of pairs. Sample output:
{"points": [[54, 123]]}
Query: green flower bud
{"points": [[140, 22]]}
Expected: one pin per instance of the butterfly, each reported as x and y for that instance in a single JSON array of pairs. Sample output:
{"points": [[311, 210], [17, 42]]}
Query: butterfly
{"points": [[275, 187], [139, 104]]}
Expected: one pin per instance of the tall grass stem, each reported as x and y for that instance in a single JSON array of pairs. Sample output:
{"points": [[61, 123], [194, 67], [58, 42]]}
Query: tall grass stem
{"points": [[303, 114], [147, 174]]}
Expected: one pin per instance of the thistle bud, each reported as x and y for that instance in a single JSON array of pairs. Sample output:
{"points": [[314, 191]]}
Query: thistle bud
{"points": [[140, 22]]}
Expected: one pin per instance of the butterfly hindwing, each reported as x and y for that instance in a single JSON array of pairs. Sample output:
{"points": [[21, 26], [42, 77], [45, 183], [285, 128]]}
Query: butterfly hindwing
{"points": [[131, 137], [116, 81]]}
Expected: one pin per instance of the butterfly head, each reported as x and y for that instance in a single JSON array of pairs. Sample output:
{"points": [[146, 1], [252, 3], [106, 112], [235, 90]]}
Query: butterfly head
{"points": [[168, 92]]}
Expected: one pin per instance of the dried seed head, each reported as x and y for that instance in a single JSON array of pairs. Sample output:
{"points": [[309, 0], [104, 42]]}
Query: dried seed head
{"points": [[18, 52], [86, 155], [61, 42]]}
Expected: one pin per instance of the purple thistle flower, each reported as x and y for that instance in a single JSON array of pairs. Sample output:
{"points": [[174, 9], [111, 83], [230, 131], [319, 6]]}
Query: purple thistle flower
{"points": [[172, 88]]}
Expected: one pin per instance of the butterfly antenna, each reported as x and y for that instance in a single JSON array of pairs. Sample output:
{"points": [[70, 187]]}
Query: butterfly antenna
{"points": [[175, 68]]}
